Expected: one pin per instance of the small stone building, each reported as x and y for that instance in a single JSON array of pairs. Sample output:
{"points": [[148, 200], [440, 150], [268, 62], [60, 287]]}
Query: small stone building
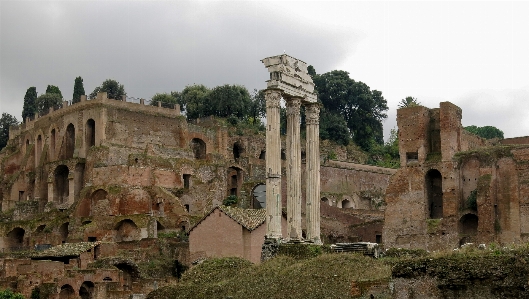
{"points": [[228, 231], [454, 187]]}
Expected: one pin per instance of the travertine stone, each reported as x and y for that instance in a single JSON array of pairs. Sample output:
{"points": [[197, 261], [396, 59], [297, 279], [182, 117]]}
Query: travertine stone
{"points": [[312, 119], [290, 75], [293, 170], [273, 165]]}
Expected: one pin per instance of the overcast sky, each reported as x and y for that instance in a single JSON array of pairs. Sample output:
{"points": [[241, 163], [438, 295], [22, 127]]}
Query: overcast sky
{"points": [[473, 54]]}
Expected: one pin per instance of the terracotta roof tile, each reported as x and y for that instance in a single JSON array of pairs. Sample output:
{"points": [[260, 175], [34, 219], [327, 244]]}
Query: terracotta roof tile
{"points": [[248, 218]]}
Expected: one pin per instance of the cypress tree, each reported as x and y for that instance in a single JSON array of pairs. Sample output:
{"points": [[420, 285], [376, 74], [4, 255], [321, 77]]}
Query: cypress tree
{"points": [[30, 103], [78, 90]]}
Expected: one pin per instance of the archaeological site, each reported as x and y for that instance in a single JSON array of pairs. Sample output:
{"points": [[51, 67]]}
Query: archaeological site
{"points": [[113, 199]]}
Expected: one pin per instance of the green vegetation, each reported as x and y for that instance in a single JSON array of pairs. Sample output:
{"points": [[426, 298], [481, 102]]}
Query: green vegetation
{"points": [[30, 103], [472, 202], [324, 276], [386, 155], [113, 89], [78, 90], [8, 294], [487, 132], [6, 121], [408, 102], [231, 200]]}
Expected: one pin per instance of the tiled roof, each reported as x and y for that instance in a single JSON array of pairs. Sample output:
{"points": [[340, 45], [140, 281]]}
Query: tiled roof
{"points": [[66, 249], [248, 218]]}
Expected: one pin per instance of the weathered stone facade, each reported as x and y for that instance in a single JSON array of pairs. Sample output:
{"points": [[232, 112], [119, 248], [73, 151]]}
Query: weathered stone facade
{"points": [[454, 187], [126, 173]]}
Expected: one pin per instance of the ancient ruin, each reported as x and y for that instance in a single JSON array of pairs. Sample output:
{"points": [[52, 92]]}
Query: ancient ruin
{"points": [[454, 187], [290, 80], [94, 193]]}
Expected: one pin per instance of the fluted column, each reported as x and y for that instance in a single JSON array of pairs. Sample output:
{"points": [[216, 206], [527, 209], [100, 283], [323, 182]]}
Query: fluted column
{"points": [[273, 165], [312, 118], [293, 170]]}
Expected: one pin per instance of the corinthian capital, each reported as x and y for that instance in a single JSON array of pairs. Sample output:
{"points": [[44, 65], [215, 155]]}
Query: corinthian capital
{"points": [[272, 97], [312, 114], [293, 105]]}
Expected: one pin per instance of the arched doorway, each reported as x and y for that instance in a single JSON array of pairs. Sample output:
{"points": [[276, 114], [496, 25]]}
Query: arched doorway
{"points": [[63, 230], [61, 187], [69, 139], [199, 148], [238, 150], [15, 238], [127, 230], [326, 201], [434, 194], [346, 204], [67, 292], [90, 139], [86, 290]]}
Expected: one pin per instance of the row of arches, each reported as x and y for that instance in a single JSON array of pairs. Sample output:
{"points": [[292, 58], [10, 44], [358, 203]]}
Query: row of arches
{"points": [[15, 238], [68, 142]]}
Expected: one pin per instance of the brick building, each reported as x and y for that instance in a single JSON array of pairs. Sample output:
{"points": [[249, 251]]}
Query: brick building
{"points": [[454, 187]]}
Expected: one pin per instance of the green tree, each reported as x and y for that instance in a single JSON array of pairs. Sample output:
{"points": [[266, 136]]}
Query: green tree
{"points": [[409, 102], [386, 155], [487, 132], [78, 90], [6, 121], [193, 101], [48, 100], [54, 89], [258, 105], [333, 127], [8, 294], [229, 100], [113, 89], [362, 109], [168, 99], [30, 103]]}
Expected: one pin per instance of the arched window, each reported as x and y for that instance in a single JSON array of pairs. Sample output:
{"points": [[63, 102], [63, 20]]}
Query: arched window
{"points": [[52, 145], [434, 193], [15, 238], [90, 133], [127, 230], [199, 148], [346, 204], [259, 196], [67, 292], [86, 290], [238, 150], [69, 142], [61, 186]]}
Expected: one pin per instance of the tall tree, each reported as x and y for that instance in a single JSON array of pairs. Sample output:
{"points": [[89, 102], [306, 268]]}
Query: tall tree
{"points": [[30, 103], [48, 100], [6, 121], [193, 101], [409, 102], [487, 132], [229, 100], [78, 90], [258, 105], [54, 89], [362, 109], [113, 89]]}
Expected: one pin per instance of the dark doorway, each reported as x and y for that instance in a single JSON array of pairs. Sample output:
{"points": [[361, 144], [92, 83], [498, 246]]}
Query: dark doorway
{"points": [[69, 142], [434, 194], [61, 186]]}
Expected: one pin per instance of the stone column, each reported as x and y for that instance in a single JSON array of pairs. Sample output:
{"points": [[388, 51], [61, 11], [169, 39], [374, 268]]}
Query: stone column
{"points": [[293, 170], [312, 119], [273, 165], [51, 197]]}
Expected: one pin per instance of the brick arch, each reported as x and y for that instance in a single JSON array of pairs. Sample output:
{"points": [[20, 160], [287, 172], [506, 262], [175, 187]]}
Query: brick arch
{"points": [[433, 183], [61, 186], [127, 230], [69, 141], [67, 292], [39, 145], [52, 140], [208, 143], [27, 142], [86, 290]]}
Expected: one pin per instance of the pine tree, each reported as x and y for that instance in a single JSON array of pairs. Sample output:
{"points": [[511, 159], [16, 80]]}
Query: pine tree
{"points": [[78, 90], [30, 103]]}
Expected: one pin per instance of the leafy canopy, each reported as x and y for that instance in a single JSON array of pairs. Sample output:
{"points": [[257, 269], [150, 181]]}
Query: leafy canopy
{"points": [[113, 89], [487, 132], [409, 102], [361, 108], [48, 100], [8, 294], [6, 121], [168, 100], [54, 89]]}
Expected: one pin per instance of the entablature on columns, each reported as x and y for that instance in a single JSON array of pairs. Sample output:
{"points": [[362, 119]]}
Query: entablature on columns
{"points": [[290, 75]]}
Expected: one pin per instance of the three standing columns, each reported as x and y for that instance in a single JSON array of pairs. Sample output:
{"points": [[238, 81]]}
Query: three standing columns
{"points": [[293, 169]]}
